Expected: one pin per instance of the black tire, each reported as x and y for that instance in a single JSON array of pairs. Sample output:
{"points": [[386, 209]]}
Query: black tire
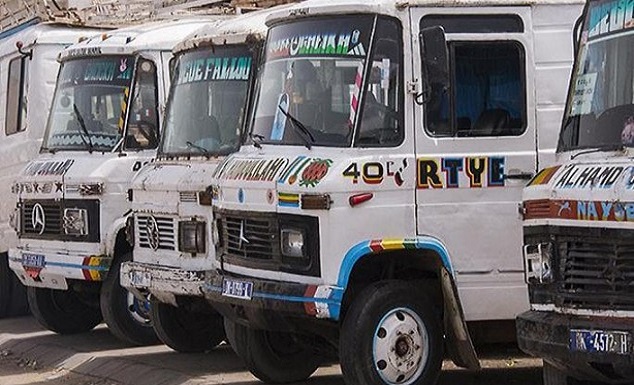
{"points": [[62, 311], [127, 318], [554, 376], [6, 280], [19, 306], [391, 325], [273, 357], [233, 336], [186, 331]]}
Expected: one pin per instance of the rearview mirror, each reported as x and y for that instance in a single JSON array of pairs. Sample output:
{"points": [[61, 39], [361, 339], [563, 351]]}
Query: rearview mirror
{"points": [[435, 62]]}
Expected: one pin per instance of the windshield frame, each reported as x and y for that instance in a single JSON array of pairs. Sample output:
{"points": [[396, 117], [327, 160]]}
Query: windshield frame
{"points": [[44, 148], [351, 140], [250, 48], [570, 121]]}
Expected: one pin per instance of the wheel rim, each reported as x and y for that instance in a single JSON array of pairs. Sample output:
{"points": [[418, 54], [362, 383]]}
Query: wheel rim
{"points": [[400, 347], [139, 310]]}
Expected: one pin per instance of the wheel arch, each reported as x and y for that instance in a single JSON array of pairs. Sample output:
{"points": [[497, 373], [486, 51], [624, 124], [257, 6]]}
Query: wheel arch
{"points": [[423, 259], [116, 242]]}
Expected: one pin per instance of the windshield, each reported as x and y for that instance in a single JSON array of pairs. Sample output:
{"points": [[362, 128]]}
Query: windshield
{"points": [[86, 111], [208, 101], [600, 111], [314, 72]]}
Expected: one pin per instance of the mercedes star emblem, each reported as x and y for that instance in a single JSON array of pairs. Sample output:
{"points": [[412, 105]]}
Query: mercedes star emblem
{"points": [[38, 218], [153, 234]]}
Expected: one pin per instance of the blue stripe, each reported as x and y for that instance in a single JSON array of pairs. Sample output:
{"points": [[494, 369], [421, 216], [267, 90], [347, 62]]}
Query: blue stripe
{"points": [[19, 28], [75, 266], [281, 297], [361, 249], [287, 204]]}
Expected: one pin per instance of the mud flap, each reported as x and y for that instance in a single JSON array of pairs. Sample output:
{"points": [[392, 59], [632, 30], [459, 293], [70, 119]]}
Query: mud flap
{"points": [[459, 343]]}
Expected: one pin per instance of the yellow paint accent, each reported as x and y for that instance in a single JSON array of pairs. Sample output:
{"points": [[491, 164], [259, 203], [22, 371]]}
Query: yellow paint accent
{"points": [[94, 274], [393, 244]]}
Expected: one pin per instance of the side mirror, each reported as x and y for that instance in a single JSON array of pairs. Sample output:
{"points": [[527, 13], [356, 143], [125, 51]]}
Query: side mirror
{"points": [[435, 65]]}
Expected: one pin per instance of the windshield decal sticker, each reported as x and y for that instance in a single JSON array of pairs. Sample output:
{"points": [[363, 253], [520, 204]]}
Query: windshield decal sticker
{"points": [[322, 44], [71, 140], [609, 17], [470, 172], [584, 93], [279, 122], [215, 68]]}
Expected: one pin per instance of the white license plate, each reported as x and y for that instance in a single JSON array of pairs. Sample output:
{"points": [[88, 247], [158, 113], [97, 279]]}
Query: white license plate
{"points": [[237, 289], [140, 278], [33, 260], [600, 341]]}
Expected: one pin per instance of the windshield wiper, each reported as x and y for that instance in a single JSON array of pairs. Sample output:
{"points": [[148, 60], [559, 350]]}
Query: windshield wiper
{"points": [[84, 130], [199, 148], [256, 138], [304, 133], [609, 147]]}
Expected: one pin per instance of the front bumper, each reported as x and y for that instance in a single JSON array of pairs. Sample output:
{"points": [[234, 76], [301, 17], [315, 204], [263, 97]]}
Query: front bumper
{"points": [[54, 269], [163, 282], [546, 334], [283, 298]]}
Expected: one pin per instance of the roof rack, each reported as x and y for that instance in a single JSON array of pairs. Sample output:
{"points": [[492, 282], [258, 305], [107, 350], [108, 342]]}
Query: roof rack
{"points": [[117, 13]]}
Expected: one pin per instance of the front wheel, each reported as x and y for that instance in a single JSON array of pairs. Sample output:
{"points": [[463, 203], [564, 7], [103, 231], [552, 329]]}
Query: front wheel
{"points": [[187, 331], [391, 335], [62, 311], [126, 316], [273, 357]]}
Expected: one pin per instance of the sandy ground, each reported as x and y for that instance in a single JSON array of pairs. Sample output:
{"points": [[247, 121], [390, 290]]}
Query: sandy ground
{"points": [[32, 356]]}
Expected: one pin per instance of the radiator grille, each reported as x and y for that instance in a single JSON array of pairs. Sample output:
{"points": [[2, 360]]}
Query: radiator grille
{"points": [[157, 233]]}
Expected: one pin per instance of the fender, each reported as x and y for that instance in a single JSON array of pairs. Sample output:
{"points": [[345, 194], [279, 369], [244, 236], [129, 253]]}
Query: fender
{"points": [[461, 347], [112, 232]]}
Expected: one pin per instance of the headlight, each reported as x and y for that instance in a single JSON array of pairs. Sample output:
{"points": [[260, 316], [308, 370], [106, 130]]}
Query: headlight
{"points": [[538, 263], [292, 243], [191, 237], [76, 221]]}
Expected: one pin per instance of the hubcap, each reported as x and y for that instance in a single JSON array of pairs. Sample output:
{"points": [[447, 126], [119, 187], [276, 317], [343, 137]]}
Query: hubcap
{"points": [[139, 310], [401, 347]]}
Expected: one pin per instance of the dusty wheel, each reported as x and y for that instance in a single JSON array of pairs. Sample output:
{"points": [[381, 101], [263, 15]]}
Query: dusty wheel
{"points": [[554, 376], [391, 335], [186, 331], [272, 357], [5, 286], [62, 311], [127, 317]]}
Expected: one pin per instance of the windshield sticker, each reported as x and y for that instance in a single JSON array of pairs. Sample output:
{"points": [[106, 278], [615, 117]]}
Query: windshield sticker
{"points": [[323, 44], [73, 140], [279, 122], [584, 93], [49, 167], [470, 172], [109, 70], [611, 16], [215, 68]]}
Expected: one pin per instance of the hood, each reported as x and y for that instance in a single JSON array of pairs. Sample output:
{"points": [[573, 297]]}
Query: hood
{"points": [[181, 176], [582, 192]]}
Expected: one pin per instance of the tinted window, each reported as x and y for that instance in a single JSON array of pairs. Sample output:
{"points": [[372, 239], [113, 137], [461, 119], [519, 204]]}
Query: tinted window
{"points": [[16, 96], [475, 23], [487, 96], [142, 132]]}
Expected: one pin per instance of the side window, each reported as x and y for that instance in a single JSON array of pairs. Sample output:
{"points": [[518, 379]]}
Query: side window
{"points": [[381, 122], [487, 96], [143, 117], [16, 96]]}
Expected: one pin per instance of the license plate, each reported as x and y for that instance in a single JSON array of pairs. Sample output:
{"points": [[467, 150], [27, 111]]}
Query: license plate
{"points": [[140, 278], [33, 260], [237, 289], [600, 341]]}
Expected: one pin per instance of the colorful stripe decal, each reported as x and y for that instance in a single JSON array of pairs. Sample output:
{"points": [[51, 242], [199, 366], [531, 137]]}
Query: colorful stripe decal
{"points": [[94, 268], [544, 176], [354, 100], [290, 168], [599, 211], [379, 245], [287, 200], [124, 107]]}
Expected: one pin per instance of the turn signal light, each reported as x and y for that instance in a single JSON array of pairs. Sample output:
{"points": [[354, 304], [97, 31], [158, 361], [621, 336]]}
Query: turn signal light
{"points": [[360, 198]]}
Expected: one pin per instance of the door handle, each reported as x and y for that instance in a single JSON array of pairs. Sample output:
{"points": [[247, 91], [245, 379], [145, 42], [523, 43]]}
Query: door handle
{"points": [[519, 176]]}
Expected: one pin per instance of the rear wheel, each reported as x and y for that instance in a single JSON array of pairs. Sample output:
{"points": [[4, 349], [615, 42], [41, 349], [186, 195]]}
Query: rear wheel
{"points": [[5, 286], [391, 335], [273, 357], [62, 311], [126, 316], [554, 376], [186, 331]]}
